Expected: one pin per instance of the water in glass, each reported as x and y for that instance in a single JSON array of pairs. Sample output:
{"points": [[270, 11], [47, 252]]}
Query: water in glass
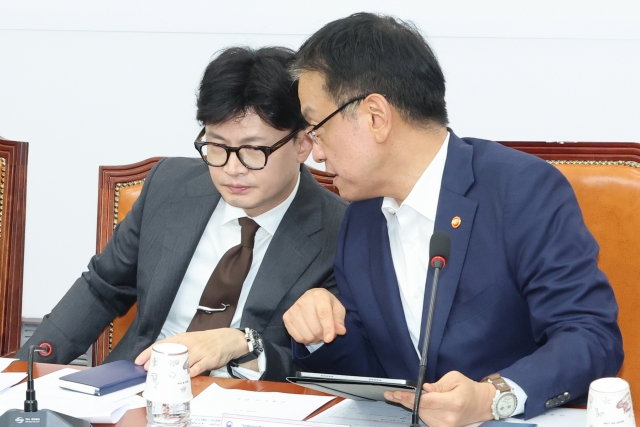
{"points": [[168, 414]]}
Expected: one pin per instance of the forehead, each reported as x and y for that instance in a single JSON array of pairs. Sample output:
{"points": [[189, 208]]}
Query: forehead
{"points": [[311, 81], [249, 124], [311, 91]]}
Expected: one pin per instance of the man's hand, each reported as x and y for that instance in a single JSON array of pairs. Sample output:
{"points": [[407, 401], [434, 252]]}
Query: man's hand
{"points": [[316, 316], [453, 401], [208, 350]]}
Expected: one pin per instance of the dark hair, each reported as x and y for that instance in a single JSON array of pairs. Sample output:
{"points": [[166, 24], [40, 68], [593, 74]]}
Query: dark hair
{"points": [[241, 80], [367, 53]]}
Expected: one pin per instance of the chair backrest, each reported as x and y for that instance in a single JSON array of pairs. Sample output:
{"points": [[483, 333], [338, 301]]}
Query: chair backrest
{"points": [[119, 187], [13, 194], [606, 180]]}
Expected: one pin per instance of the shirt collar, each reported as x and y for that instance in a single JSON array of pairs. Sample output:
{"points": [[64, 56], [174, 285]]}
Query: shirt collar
{"points": [[423, 197], [268, 221]]}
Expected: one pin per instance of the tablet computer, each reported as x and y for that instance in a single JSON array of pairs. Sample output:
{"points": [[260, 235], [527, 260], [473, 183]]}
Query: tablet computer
{"points": [[352, 387]]}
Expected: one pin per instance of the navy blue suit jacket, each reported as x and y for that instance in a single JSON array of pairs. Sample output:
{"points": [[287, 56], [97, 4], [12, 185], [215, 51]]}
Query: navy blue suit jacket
{"points": [[521, 295]]}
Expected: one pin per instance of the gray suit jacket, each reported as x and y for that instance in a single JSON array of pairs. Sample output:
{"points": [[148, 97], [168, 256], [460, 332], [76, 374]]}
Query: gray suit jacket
{"points": [[150, 251]]}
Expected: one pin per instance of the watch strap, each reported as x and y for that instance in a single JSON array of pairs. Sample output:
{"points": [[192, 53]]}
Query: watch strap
{"points": [[498, 382], [256, 348], [244, 359]]}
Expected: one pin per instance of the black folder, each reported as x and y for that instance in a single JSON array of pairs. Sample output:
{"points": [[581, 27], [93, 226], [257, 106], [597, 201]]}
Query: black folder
{"points": [[352, 387]]}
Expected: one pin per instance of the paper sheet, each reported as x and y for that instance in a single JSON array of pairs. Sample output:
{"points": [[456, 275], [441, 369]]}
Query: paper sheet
{"points": [[215, 400], [5, 362], [243, 420], [9, 379], [95, 409], [358, 413], [558, 417], [381, 414]]}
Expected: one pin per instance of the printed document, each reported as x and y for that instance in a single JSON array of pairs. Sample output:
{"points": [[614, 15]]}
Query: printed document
{"points": [[215, 401]]}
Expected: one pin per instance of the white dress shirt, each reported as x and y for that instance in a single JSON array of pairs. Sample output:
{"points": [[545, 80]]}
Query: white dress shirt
{"points": [[410, 227], [221, 234]]}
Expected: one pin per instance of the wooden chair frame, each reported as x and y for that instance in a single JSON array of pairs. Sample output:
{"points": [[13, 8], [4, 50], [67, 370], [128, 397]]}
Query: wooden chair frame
{"points": [[579, 151], [111, 180], [13, 194]]}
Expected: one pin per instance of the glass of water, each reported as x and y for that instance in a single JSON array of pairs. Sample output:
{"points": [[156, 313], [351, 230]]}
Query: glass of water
{"points": [[168, 386]]}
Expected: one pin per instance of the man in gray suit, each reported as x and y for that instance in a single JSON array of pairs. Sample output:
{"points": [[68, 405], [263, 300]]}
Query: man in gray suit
{"points": [[187, 221]]}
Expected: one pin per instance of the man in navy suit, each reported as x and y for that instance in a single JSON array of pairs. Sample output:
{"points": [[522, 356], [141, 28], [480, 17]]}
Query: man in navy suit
{"points": [[524, 319]]}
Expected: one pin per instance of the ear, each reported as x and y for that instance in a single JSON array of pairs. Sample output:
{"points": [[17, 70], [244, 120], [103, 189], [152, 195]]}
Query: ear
{"points": [[379, 116], [303, 145]]}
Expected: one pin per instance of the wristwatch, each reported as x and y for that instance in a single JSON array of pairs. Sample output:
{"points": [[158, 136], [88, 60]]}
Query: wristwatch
{"points": [[505, 401], [254, 341]]}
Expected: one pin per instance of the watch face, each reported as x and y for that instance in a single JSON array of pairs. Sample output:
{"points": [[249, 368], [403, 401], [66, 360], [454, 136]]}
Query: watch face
{"points": [[506, 405], [255, 342], [258, 343]]}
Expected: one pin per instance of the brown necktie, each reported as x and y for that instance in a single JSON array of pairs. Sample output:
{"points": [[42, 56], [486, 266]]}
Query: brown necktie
{"points": [[219, 299]]}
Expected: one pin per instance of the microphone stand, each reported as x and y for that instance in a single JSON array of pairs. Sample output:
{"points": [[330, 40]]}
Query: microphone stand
{"points": [[30, 403], [415, 420], [31, 416]]}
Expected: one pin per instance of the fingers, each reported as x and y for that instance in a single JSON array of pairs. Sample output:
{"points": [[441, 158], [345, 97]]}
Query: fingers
{"points": [[326, 317], [339, 314], [316, 316], [405, 398], [300, 323], [143, 358], [309, 327], [454, 400], [197, 368], [432, 413], [298, 336], [448, 382]]}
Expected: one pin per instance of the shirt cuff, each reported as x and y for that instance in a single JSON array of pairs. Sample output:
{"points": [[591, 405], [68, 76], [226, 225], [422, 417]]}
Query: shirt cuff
{"points": [[313, 347], [250, 374], [521, 396]]}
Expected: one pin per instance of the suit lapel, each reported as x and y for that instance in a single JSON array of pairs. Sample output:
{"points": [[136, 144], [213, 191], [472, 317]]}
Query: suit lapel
{"points": [[289, 254], [185, 217], [456, 180], [384, 283]]}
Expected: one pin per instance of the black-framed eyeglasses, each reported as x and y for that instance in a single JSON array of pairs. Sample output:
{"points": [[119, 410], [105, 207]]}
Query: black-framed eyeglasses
{"points": [[253, 157], [312, 132]]}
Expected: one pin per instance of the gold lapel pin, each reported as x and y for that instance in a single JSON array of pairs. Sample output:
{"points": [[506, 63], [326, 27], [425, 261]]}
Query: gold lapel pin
{"points": [[456, 221]]}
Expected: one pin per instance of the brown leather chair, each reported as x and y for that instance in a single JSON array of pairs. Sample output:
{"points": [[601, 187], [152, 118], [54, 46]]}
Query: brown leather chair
{"points": [[13, 194], [119, 187], [606, 180]]}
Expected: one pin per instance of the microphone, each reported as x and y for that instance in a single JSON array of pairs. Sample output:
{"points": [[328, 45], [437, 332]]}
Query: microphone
{"points": [[439, 249], [31, 415]]}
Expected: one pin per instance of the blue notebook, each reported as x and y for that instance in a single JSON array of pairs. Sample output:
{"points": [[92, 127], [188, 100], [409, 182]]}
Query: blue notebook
{"points": [[105, 379]]}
